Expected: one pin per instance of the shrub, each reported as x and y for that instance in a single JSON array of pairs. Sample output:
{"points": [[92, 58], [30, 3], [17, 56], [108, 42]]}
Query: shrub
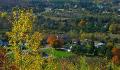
{"points": [[112, 66], [83, 64], [77, 49]]}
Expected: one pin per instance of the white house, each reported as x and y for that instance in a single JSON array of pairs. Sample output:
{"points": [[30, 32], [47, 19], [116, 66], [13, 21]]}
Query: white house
{"points": [[100, 44]]}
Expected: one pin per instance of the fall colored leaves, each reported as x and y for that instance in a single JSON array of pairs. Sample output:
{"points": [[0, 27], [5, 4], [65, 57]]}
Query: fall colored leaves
{"points": [[2, 58], [55, 41], [116, 55]]}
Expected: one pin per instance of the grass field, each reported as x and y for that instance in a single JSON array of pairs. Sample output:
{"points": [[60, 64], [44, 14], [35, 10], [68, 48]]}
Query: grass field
{"points": [[58, 54]]}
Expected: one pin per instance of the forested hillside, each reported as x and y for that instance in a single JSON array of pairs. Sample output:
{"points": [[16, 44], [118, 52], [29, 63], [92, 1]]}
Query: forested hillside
{"points": [[59, 34]]}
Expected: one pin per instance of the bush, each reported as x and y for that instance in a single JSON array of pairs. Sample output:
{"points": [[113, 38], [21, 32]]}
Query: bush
{"points": [[77, 49], [83, 64]]}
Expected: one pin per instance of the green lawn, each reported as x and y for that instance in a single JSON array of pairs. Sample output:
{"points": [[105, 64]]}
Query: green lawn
{"points": [[57, 54]]}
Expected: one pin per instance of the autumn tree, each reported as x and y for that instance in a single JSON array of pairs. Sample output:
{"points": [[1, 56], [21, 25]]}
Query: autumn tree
{"points": [[22, 23], [3, 14], [116, 55], [84, 36], [54, 41], [82, 24], [114, 28], [51, 39], [22, 33], [3, 58], [34, 42]]}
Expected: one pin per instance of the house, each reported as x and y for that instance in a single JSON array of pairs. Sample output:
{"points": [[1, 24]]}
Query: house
{"points": [[99, 44], [69, 49], [64, 49], [48, 9], [76, 41], [119, 9], [75, 6]]}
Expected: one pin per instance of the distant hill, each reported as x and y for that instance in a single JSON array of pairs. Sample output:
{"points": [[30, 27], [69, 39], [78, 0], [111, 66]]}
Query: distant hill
{"points": [[9, 1], [19, 1], [23, 1]]}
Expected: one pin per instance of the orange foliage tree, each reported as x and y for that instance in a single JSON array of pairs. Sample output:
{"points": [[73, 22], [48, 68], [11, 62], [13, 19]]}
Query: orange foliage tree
{"points": [[3, 58], [82, 24], [54, 41], [116, 55], [51, 39]]}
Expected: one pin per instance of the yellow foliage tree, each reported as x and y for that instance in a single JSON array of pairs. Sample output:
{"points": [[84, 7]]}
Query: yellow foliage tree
{"points": [[22, 29], [3, 14], [82, 23], [114, 28], [34, 42], [22, 22]]}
